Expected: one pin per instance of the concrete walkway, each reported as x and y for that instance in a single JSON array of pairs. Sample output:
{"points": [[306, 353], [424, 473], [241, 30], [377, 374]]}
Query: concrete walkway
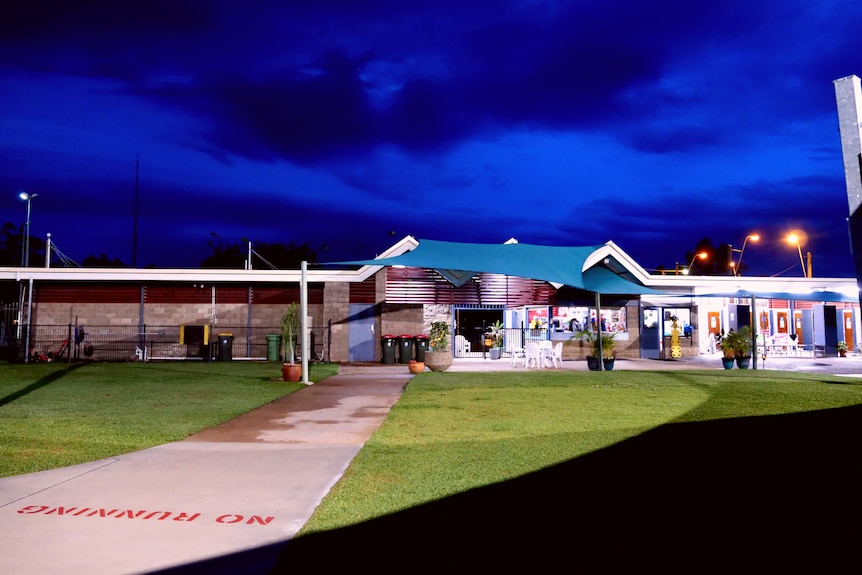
{"points": [[237, 491], [251, 483]]}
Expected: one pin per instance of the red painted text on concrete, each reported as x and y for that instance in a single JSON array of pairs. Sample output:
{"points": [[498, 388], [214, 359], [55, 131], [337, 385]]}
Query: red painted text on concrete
{"points": [[141, 514]]}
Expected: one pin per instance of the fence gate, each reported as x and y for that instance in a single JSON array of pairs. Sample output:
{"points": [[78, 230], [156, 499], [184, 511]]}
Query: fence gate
{"points": [[8, 327]]}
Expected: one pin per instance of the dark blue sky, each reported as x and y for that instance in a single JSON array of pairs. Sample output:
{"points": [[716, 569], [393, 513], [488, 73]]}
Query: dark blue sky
{"points": [[336, 123]]}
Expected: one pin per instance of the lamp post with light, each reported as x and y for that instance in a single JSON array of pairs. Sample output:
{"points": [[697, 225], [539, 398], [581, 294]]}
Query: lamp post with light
{"points": [[25, 262], [25, 254], [794, 239], [737, 268], [701, 255]]}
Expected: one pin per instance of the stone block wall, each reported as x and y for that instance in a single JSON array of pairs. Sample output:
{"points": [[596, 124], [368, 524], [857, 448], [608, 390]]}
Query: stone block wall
{"points": [[398, 319], [266, 315], [437, 312], [124, 314], [337, 298]]}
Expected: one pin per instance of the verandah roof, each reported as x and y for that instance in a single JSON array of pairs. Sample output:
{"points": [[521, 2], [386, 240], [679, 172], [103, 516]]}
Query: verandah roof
{"points": [[821, 295]]}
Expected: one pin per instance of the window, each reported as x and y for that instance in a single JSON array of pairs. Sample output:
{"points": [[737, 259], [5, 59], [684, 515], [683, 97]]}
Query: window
{"points": [[683, 319]]}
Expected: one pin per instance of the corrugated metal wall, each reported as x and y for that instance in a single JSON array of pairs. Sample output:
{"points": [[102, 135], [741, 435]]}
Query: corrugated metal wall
{"points": [[363, 292], [419, 285]]}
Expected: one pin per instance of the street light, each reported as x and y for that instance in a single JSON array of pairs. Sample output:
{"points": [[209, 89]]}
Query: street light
{"points": [[738, 266], [701, 255], [25, 255], [794, 239]]}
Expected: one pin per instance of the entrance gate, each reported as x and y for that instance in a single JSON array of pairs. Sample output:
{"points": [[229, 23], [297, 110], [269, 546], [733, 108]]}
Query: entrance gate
{"points": [[471, 323], [8, 335]]}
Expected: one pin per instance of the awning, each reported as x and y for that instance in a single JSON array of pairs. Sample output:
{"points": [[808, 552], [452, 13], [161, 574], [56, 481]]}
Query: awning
{"points": [[458, 262], [824, 295], [602, 280]]}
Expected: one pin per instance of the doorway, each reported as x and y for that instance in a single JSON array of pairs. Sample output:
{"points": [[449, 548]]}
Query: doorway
{"points": [[781, 322], [360, 333], [848, 330], [651, 333], [798, 328], [713, 319], [472, 325]]}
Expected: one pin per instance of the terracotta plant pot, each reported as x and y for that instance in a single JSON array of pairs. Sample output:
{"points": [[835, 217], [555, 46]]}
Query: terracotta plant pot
{"points": [[291, 372], [416, 366]]}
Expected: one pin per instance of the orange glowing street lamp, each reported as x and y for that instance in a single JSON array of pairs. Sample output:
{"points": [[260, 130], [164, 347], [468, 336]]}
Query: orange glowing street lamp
{"points": [[738, 266], [794, 238], [701, 255]]}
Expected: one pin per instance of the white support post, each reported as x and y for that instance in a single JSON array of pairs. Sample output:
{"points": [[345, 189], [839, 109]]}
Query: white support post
{"points": [[755, 325], [303, 310], [599, 328]]}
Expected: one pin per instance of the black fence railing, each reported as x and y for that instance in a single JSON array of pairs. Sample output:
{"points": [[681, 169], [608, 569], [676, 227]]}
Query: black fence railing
{"points": [[48, 343]]}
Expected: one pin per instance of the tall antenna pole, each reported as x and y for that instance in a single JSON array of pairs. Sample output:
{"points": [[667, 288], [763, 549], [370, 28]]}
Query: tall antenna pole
{"points": [[135, 223]]}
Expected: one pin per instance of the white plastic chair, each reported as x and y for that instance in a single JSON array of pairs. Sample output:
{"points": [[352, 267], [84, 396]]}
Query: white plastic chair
{"points": [[519, 354], [557, 357], [462, 346], [546, 353], [532, 355]]}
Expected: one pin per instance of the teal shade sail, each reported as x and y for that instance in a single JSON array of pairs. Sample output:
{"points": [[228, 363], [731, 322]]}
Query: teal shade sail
{"points": [[458, 262]]}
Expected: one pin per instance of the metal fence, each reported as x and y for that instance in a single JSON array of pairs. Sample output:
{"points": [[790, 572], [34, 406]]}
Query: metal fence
{"points": [[514, 338], [8, 331], [48, 343]]}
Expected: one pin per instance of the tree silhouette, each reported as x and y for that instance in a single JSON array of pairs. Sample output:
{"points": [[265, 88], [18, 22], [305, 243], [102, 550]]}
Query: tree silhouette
{"points": [[102, 261], [11, 245], [716, 262]]}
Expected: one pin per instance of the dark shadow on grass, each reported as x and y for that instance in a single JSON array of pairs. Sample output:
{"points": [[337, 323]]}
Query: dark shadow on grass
{"points": [[47, 380], [757, 493], [257, 561]]}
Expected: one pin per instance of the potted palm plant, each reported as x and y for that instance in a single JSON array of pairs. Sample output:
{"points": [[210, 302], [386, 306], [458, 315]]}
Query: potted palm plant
{"points": [[608, 344], [439, 358], [740, 343], [592, 339], [495, 334], [728, 354], [289, 328]]}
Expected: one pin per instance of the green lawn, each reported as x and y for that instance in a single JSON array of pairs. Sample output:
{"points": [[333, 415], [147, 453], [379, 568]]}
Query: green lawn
{"points": [[451, 432], [59, 414]]}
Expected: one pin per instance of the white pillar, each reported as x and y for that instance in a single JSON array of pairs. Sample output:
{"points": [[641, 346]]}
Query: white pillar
{"points": [[303, 312]]}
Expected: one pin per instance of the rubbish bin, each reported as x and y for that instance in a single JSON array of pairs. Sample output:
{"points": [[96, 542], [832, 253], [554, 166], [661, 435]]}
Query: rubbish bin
{"points": [[225, 347], [273, 343], [405, 348], [420, 342], [387, 343]]}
